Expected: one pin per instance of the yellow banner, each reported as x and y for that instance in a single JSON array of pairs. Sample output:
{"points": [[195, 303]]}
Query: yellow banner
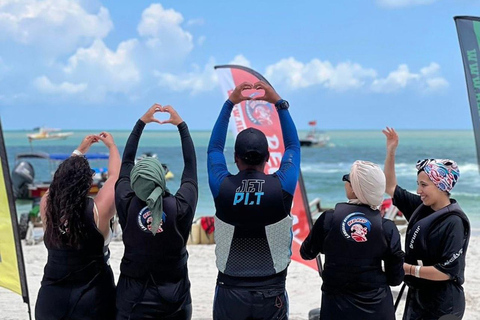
{"points": [[9, 273]]}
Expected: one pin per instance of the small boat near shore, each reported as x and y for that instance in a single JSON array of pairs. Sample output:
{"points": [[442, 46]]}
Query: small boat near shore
{"points": [[315, 138], [26, 187], [48, 134]]}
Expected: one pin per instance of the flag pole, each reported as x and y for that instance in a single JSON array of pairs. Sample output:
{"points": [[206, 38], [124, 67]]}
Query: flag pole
{"points": [[14, 223]]}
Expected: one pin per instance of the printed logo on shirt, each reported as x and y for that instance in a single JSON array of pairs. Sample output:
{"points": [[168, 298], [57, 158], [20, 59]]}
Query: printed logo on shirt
{"points": [[144, 220], [250, 192], [454, 257], [415, 234], [355, 227], [259, 112]]}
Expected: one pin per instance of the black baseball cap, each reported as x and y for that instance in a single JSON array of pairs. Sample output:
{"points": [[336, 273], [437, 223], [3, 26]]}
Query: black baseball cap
{"points": [[251, 146]]}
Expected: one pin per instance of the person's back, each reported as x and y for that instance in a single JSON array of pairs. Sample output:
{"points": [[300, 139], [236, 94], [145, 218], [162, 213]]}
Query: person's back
{"points": [[155, 223], [253, 231], [79, 266], [253, 226], [78, 282], [355, 240], [354, 248]]}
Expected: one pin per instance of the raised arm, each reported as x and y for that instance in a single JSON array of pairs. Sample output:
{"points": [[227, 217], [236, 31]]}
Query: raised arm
{"points": [[128, 159], [105, 199], [290, 165], [389, 168], [187, 194], [216, 164], [123, 190]]}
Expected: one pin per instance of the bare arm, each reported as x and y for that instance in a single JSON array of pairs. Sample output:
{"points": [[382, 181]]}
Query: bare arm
{"points": [[105, 199], [429, 272], [43, 208], [389, 168]]}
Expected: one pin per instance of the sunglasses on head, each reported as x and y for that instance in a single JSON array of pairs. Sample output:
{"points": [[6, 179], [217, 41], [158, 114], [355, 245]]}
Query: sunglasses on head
{"points": [[346, 177]]}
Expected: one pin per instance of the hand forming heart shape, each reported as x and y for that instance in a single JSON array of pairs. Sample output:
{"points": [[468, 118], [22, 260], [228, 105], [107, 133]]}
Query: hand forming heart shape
{"points": [[269, 94]]}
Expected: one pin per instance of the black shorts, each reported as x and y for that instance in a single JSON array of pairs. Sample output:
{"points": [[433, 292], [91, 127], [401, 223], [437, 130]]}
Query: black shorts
{"points": [[245, 303]]}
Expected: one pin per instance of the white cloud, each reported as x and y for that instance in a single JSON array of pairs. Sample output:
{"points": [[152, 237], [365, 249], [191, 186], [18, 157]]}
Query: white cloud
{"points": [[428, 79], [196, 81], [104, 70], [163, 34], [241, 61], [195, 22], [403, 3], [295, 74], [43, 84], [349, 75], [55, 26], [201, 40]]}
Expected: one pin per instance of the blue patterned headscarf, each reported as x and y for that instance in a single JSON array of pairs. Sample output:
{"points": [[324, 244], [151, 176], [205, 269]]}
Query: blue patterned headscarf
{"points": [[444, 173]]}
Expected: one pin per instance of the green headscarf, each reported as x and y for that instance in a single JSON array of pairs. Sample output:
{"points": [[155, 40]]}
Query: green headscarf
{"points": [[148, 181]]}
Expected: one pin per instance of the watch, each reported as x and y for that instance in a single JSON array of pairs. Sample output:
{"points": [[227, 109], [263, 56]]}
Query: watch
{"points": [[281, 104]]}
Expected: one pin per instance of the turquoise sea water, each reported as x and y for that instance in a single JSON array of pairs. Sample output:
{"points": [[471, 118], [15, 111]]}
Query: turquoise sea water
{"points": [[322, 168]]}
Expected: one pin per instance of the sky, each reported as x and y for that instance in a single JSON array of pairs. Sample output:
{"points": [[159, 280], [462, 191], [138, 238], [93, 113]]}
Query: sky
{"points": [[88, 64]]}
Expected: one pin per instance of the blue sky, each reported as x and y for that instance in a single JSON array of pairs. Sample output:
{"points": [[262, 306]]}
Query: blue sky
{"points": [[347, 64]]}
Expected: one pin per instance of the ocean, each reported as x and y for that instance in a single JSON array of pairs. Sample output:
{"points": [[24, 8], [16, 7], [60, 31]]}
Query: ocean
{"points": [[322, 167]]}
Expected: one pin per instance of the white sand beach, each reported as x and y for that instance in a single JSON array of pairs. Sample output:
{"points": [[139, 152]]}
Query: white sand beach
{"points": [[303, 283]]}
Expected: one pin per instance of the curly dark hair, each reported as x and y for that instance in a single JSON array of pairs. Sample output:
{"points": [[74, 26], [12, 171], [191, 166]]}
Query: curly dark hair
{"points": [[66, 203]]}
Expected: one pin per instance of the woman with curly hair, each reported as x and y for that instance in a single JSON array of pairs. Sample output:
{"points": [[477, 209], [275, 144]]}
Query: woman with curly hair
{"points": [[78, 281]]}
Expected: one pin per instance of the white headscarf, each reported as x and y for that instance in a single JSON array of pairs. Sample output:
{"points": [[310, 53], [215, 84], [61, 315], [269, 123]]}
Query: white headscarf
{"points": [[368, 183]]}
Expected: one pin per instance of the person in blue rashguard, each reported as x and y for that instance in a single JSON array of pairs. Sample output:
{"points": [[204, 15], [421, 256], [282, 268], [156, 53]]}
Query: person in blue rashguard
{"points": [[253, 225]]}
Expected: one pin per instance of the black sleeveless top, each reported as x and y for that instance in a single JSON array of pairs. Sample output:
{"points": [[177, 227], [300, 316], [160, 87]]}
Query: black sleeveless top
{"points": [[66, 260]]}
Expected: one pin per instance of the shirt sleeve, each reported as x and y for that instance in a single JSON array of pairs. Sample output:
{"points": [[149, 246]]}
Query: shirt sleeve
{"points": [[290, 165], [216, 164], [394, 256], [313, 244], [123, 190], [187, 194], [452, 240], [405, 201]]}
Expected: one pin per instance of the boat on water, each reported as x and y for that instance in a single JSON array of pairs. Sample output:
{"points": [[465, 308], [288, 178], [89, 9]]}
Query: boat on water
{"points": [[48, 134], [26, 187], [314, 137]]}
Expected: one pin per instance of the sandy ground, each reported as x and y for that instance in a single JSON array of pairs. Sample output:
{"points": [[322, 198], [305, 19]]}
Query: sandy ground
{"points": [[303, 283]]}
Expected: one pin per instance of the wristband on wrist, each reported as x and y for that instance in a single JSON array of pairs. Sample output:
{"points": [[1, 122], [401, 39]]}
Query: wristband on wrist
{"points": [[77, 152], [281, 104], [417, 271]]}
